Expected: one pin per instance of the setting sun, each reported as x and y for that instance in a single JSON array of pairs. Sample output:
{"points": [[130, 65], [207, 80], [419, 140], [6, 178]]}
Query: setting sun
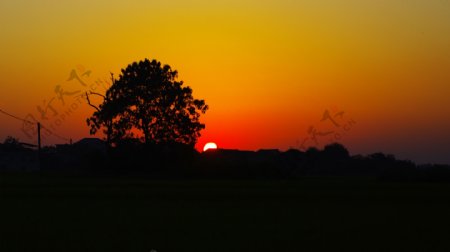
{"points": [[210, 146]]}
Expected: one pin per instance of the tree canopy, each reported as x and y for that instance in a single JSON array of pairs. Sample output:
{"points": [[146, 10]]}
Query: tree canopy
{"points": [[147, 103]]}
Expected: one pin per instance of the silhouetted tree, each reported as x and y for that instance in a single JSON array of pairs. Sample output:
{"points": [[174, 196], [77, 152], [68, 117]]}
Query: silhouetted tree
{"points": [[147, 103], [12, 144], [336, 151], [9, 140], [312, 153]]}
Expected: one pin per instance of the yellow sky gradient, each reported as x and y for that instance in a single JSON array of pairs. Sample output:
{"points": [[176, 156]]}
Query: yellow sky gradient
{"points": [[268, 69]]}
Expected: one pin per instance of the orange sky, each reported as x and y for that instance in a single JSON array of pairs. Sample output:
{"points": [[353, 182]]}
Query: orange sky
{"points": [[267, 69]]}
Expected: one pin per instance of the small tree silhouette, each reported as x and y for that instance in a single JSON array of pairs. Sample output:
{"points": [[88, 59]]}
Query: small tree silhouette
{"points": [[12, 144], [336, 151], [9, 140], [147, 103]]}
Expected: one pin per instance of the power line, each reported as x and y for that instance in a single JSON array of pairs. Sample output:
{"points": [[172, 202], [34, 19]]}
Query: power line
{"points": [[54, 134], [27, 121], [15, 117]]}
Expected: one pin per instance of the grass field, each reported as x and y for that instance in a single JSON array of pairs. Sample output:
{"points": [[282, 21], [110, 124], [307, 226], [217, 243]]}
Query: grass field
{"points": [[43, 213]]}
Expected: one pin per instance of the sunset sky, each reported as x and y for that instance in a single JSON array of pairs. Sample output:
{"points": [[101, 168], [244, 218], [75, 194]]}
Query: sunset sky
{"points": [[269, 70]]}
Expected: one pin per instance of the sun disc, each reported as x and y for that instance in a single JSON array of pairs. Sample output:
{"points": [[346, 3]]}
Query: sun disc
{"points": [[210, 146]]}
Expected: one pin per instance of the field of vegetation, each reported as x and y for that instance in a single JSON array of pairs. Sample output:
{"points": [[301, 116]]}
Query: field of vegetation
{"points": [[57, 213]]}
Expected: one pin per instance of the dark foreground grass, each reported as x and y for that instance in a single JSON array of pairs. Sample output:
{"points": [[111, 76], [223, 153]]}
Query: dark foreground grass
{"points": [[42, 213]]}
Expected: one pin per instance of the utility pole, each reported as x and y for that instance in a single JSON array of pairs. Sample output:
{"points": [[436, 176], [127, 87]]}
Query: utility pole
{"points": [[39, 145], [39, 136]]}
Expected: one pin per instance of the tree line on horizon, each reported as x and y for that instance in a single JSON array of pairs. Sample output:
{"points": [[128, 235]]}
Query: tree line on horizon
{"points": [[181, 161]]}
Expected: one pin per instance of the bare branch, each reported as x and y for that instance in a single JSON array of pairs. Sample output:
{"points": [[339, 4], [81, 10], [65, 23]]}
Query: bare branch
{"points": [[89, 102], [94, 93]]}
